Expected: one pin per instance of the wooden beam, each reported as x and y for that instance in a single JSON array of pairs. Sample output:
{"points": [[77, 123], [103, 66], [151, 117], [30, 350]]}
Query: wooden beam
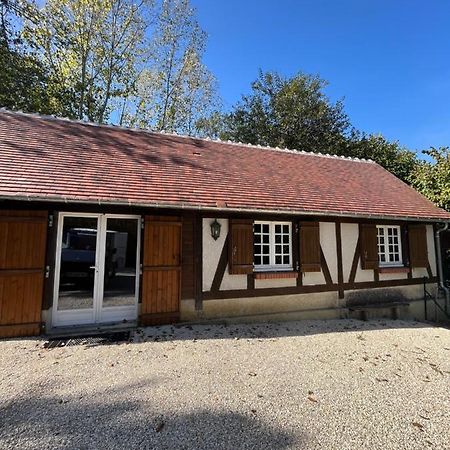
{"points": [[325, 269], [309, 289], [221, 266], [267, 292], [339, 260], [387, 283], [251, 281], [198, 262], [355, 262]]}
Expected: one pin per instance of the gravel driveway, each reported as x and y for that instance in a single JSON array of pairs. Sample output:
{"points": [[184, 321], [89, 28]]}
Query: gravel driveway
{"points": [[306, 385]]}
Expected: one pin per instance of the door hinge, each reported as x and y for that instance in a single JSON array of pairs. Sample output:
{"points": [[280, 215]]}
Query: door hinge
{"points": [[47, 271], [142, 223], [296, 227], [140, 269], [50, 221]]}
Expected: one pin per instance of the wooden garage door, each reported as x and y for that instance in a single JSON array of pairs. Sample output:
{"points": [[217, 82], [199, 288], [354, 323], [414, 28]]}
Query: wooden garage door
{"points": [[161, 279], [22, 265]]}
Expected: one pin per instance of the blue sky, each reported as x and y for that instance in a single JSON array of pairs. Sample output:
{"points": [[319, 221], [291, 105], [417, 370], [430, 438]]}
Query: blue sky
{"points": [[389, 59]]}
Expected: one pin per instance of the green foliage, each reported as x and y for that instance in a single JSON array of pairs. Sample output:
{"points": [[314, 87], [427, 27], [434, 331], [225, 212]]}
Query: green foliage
{"points": [[293, 113], [432, 179], [91, 48]]}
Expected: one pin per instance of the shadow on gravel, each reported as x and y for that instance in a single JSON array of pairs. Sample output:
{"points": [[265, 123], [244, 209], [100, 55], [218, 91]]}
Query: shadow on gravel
{"points": [[267, 330], [87, 423]]}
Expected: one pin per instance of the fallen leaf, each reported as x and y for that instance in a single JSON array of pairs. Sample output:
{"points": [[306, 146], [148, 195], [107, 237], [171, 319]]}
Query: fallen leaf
{"points": [[418, 425], [312, 399]]}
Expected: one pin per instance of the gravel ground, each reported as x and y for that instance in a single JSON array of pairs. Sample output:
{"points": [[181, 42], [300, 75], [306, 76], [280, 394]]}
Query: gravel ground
{"points": [[299, 385]]}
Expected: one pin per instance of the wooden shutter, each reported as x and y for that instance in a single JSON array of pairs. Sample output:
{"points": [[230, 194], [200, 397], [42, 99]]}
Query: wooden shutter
{"points": [[240, 246], [309, 247], [418, 249], [368, 246], [161, 275], [23, 237]]}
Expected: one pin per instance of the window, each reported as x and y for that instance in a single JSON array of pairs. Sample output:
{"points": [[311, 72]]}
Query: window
{"points": [[272, 246], [389, 245]]}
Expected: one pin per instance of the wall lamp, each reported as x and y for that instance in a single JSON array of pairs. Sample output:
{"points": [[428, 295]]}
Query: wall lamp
{"points": [[215, 229]]}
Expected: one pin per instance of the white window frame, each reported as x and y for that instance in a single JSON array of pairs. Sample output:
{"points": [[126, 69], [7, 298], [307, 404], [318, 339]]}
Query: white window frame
{"points": [[389, 263], [272, 266]]}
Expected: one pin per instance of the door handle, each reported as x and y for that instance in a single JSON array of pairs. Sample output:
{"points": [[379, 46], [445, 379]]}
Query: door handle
{"points": [[93, 267]]}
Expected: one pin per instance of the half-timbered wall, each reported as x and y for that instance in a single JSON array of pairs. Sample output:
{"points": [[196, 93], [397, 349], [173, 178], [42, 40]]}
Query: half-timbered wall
{"points": [[324, 293]]}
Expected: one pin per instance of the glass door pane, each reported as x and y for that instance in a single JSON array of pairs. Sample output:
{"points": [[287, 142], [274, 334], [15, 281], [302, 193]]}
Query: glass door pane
{"points": [[78, 258], [119, 287]]}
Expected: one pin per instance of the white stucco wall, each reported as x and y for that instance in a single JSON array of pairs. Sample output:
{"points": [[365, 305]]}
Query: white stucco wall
{"points": [[211, 254], [297, 303], [212, 250]]}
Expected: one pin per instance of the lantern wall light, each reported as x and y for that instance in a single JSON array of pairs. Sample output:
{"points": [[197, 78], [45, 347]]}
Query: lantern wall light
{"points": [[215, 229]]}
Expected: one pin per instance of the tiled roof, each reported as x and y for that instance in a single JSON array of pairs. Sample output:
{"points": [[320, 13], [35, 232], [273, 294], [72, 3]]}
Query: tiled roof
{"points": [[43, 158]]}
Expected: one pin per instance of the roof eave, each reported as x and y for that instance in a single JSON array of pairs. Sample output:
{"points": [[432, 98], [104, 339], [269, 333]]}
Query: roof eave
{"points": [[212, 209]]}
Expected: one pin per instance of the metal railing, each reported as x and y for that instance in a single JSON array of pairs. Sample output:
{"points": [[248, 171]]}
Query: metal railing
{"points": [[435, 299]]}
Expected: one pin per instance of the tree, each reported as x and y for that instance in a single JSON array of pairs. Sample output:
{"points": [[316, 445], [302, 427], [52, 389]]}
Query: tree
{"points": [[91, 47], [288, 112], [175, 89], [23, 78], [432, 179]]}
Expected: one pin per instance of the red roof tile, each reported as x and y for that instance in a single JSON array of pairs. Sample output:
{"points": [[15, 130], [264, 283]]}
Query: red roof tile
{"points": [[43, 158]]}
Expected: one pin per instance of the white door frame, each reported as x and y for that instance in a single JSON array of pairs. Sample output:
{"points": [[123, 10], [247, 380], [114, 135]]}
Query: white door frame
{"points": [[98, 313]]}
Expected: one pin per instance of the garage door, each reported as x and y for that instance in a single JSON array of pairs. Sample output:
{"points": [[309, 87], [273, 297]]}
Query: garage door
{"points": [[22, 266]]}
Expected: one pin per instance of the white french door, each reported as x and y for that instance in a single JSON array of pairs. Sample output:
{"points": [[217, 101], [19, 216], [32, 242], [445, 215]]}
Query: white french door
{"points": [[97, 269]]}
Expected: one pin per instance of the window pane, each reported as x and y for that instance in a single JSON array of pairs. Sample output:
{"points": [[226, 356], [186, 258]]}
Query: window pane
{"points": [[266, 260], [120, 262], [277, 228], [265, 228], [278, 238], [257, 260], [277, 259], [286, 259], [266, 238]]}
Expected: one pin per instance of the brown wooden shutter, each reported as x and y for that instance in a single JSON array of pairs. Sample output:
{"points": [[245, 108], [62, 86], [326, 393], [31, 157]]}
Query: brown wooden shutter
{"points": [[161, 274], [369, 246], [23, 237], [418, 249], [240, 246], [309, 247]]}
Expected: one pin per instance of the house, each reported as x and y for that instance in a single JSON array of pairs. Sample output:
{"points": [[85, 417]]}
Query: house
{"points": [[102, 225]]}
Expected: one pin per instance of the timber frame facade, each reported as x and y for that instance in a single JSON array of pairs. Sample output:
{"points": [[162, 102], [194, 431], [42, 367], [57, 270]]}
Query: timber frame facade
{"points": [[185, 275]]}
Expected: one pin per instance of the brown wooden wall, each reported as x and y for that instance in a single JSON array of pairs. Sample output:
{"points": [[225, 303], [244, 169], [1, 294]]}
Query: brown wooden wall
{"points": [[187, 258], [23, 236]]}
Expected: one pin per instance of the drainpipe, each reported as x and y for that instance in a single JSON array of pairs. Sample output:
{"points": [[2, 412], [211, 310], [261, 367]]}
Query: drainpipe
{"points": [[440, 269]]}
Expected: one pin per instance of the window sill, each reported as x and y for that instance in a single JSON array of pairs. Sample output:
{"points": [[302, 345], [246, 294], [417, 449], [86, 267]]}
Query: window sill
{"points": [[394, 269], [272, 275]]}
